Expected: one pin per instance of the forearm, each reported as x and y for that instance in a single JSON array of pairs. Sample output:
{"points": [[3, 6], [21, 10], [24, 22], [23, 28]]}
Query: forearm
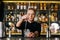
{"points": [[19, 23]]}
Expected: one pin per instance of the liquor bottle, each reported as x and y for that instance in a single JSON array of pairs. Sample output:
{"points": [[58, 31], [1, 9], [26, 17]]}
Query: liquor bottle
{"points": [[9, 33], [24, 6], [12, 7], [44, 6], [12, 18], [17, 18], [8, 7], [32, 6], [52, 8], [48, 35], [42, 28], [29, 5], [21, 6], [6, 17], [9, 17], [17, 5], [56, 7], [41, 6], [35, 6]]}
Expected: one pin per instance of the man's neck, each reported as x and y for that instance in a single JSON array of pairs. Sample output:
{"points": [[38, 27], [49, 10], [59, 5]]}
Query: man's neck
{"points": [[30, 21]]}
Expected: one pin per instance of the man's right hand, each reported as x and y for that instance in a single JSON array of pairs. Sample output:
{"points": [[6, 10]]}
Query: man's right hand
{"points": [[31, 34], [24, 17]]}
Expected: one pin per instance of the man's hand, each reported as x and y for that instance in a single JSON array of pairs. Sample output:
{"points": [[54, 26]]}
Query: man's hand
{"points": [[36, 33], [31, 34], [24, 17]]}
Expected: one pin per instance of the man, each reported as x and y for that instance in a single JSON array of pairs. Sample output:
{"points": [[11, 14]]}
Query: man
{"points": [[27, 22]]}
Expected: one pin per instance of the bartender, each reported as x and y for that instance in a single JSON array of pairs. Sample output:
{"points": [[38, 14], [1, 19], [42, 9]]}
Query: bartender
{"points": [[27, 22]]}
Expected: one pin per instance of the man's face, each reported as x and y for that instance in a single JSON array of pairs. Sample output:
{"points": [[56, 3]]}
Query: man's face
{"points": [[31, 15]]}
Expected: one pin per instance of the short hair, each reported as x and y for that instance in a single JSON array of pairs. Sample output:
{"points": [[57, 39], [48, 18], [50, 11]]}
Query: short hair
{"points": [[32, 9]]}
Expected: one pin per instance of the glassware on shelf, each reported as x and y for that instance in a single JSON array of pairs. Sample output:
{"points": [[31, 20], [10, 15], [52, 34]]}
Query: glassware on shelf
{"points": [[6, 17], [44, 27], [56, 7], [54, 27], [9, 33], [35, 6], [18, 6], [25, 6], [42, 18], [46, 18], [8, 7], [32, 6], [12, 26], [13, 18], [52, 8], [21, 6], [12, 7], [39, 18], [9, 18], [41, 7], [44, 6], [48, 34], [53, 17]]}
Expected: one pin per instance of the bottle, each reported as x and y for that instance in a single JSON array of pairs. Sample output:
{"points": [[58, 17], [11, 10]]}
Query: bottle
{"points": [[17, 5], [12, 7], [52, 7], [44, 6], [35, 6], [24, 6], [9, 33], [48, 35], [6, 17], [41, 7], [8, 7], [32, 6], [56, 7], [21, 6]]}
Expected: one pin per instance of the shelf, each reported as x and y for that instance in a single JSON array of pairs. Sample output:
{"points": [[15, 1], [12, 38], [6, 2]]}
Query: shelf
{"points": [[36, 1], [16, 11], [15, 33], [51, 34], [40, 34]]}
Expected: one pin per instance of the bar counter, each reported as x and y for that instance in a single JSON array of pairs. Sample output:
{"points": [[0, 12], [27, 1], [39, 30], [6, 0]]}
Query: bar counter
{"points": [[24, 38]]}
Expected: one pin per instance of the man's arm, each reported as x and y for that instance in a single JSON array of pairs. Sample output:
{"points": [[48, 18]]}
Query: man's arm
{"points": [[21, 20], [19, 23]]}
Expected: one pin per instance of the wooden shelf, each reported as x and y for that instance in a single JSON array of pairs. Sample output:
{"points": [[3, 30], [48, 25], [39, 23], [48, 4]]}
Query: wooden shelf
{"points": [[40, 33], [36, 1], [51, 33], [15, 33]]}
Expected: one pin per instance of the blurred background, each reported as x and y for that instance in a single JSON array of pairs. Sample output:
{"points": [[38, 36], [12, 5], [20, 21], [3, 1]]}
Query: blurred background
{"points": [[47, 13]]}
